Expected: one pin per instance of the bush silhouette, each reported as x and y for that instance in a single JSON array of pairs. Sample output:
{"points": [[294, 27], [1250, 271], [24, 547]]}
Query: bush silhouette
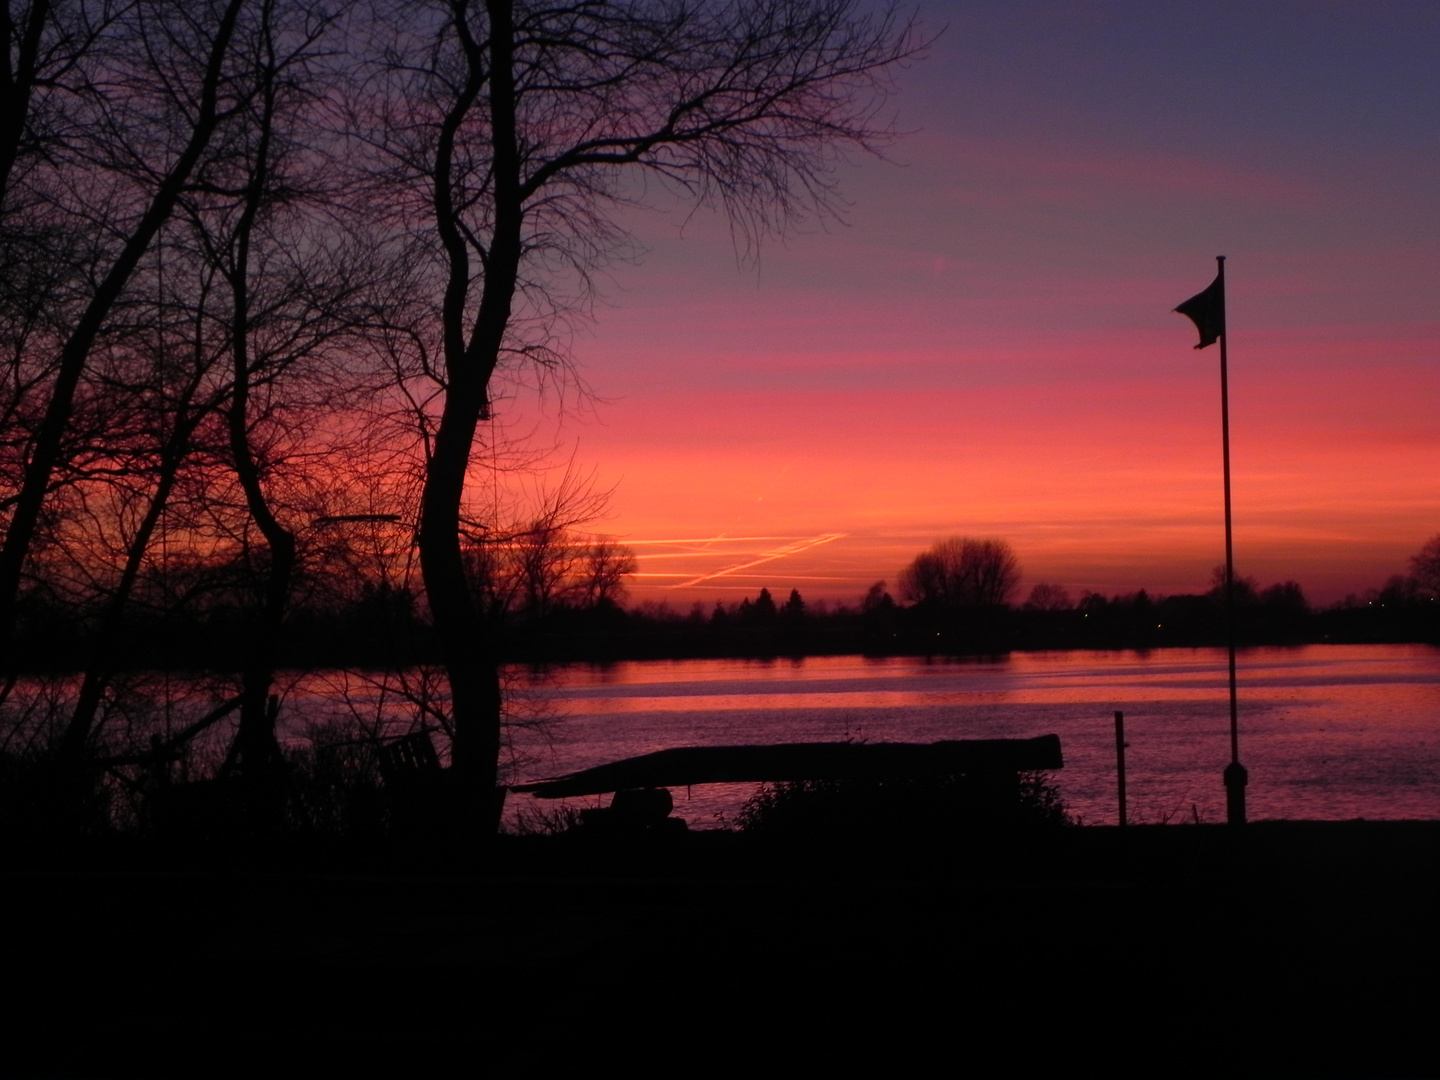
{"points": [[952, 805]]}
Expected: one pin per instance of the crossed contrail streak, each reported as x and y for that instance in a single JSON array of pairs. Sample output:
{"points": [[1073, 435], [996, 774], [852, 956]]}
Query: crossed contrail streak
{"points": [[770, 556]]}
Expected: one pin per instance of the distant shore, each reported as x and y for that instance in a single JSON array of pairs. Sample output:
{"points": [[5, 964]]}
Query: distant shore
{"points": [[615, 635]]}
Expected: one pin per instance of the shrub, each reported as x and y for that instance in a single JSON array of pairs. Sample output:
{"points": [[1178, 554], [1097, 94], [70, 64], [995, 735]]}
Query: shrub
{"points": [[946, 805]]}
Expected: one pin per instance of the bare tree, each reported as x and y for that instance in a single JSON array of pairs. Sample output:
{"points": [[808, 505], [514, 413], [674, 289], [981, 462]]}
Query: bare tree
{"points": [[165, 397], [519, 126], [545, 557], [1245, 590], [1047, 596], [154, 107], [252, 298], [43, 48], [530, 567], [285, 312], [49, 57], [606, 566], [962, 573], [1425, 564], [877, 600]]}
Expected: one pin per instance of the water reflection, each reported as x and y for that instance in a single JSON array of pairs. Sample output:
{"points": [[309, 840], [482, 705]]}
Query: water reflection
{"points": [[1329, 732]]}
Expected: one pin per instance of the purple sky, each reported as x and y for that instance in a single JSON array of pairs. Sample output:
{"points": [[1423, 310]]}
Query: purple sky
{"points": [[986, 347]]}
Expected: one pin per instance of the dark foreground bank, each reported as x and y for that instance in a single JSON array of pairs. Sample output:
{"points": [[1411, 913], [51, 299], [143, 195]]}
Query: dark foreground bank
{"points": [[1284, 949]]}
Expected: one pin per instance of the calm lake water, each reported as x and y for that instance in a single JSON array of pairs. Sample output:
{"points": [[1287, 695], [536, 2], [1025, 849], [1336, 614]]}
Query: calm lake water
{"points": [[1327, 732]]}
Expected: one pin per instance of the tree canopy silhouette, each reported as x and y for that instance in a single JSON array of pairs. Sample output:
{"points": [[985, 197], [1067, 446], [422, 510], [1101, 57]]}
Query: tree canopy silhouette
{"points": [[1425, 564], [962, 573]]}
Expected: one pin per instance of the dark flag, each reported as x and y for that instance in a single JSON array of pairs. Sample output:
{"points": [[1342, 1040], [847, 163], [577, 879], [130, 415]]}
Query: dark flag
{"points": [[1207, 311]]}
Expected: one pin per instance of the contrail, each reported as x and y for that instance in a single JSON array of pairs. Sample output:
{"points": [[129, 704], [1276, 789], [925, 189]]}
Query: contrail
{"points": [[770, 556], [722, 538]]}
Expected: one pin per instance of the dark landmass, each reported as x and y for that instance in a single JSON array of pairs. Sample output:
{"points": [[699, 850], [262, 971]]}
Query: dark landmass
{"points": [[1119, 623], [391, 631], [1277, 949]]}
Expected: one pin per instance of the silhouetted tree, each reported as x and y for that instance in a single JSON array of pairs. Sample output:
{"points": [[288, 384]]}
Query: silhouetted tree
{"points": [[1425, 564], [605, 566], [1285, 597], [165, 396], [545, 557], [533, 569], [760, 612], [237, 312], [794, 607], [517, 125], [961, 573], [143, 127], [1247, 589], [877, 600], [287, 310], [1047, 597], [1399, 591]]}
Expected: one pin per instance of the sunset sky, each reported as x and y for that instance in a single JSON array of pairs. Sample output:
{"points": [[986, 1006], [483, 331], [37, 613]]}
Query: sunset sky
{"points": [[987, 347]]}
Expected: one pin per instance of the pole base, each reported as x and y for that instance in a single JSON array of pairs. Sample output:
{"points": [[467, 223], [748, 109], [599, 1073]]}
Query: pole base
{"points": [[1236, 777]]}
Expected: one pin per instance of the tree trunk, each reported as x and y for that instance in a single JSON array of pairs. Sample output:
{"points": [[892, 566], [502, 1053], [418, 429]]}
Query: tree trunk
{"points": [[468, 642], [256, 751]]}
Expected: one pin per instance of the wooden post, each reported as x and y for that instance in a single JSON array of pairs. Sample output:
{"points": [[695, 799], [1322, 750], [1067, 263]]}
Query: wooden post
{"points": [[1120, 761]]}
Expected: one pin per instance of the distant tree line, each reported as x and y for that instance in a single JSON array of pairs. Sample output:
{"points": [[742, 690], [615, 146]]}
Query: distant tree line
{"points": [[349, 606], [960, 598], [560, 595]]}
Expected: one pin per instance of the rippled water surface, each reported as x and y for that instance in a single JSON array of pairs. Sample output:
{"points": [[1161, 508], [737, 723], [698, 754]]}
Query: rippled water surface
{"points": [[1327, 732]]}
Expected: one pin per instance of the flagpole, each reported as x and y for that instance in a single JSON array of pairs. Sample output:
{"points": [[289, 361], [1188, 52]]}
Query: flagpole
{"points": [[1236, 776]]}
